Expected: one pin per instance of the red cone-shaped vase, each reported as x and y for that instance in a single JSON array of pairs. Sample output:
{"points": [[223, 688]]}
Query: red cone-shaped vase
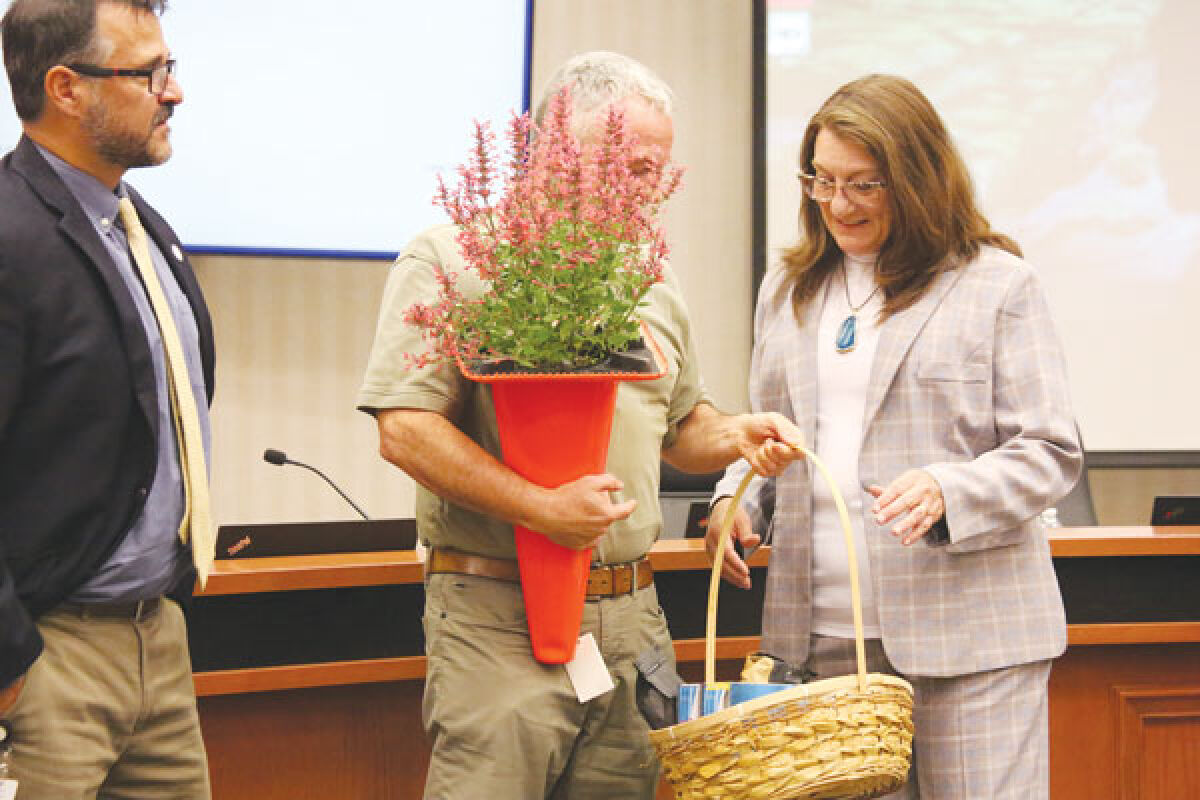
{"points": [[554, 428], [553, 431]]}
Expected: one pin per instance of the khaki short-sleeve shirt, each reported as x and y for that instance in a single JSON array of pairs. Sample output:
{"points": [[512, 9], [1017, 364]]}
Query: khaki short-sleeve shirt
{"points": [[647, 416]]}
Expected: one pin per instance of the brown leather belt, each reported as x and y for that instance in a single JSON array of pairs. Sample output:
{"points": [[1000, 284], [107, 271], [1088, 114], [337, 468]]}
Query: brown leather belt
{"points": [[134, 610], [609, 580]]}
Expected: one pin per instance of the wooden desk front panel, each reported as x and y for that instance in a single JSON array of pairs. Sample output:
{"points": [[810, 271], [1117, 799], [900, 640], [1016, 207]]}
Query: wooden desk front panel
{"points": [[358, 742], [1125, 723], [1124, 704]]}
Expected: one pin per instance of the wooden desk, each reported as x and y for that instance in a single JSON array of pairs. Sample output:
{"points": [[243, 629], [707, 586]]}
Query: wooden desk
{"points": [[1125, 699]]}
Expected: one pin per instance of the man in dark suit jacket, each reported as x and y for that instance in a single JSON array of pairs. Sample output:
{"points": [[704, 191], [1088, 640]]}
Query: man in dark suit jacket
{"points": [[95, 677]]}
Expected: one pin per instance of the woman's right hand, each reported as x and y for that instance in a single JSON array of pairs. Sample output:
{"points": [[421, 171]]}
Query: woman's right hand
{"points": [[734, 569]]}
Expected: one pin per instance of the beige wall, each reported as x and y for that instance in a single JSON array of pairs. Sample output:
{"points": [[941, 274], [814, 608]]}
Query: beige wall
{"points": [[1125, 496], [292, 340], [293, 334]]}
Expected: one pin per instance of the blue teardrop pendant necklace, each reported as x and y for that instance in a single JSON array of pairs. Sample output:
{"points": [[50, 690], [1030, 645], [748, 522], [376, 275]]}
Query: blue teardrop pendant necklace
{"points": [[847, 336]]}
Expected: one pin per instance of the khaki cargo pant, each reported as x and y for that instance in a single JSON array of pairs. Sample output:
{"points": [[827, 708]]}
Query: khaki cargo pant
{"points": [[504, 727]]}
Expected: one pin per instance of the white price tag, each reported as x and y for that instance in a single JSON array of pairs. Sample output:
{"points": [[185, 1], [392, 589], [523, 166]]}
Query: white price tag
{"points": [[8, 790], [587, 671]]}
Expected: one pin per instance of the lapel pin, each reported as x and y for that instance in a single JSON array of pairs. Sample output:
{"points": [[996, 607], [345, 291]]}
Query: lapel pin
{"points": [[177, 252]]}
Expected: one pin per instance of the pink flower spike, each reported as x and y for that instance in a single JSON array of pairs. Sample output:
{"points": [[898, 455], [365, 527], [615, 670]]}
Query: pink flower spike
{"points": [[566, 242]]}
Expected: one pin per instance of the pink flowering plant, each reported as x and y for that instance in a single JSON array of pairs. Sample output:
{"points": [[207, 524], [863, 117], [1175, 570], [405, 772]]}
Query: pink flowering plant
{"points": [[563, 239]]}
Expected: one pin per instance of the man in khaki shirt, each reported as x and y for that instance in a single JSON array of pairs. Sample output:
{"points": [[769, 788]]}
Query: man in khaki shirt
{"points": [[503, 725]]}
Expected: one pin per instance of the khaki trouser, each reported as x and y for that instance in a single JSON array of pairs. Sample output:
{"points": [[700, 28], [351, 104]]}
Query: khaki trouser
{"points": [[109, 711], [504, 727]]}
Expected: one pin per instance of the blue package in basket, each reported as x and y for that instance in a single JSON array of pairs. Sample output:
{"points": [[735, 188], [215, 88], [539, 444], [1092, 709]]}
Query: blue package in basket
{"points": [[741, 692], [689, 701], [716, 698]]}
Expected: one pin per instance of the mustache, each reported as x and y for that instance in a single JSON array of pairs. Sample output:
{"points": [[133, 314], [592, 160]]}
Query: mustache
{"points": [[164, 114]]}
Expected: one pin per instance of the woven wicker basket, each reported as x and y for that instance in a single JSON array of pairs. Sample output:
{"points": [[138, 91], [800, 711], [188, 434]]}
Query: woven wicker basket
{"points": [[846, 737]]}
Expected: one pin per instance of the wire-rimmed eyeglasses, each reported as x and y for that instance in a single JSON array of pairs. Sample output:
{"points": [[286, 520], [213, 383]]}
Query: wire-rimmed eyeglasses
{"points": [[823, 189]]}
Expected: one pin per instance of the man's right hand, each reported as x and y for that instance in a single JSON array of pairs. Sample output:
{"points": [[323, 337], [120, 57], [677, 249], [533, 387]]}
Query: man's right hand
{"points": [[734, 569], [9, 695], [578, 513]]}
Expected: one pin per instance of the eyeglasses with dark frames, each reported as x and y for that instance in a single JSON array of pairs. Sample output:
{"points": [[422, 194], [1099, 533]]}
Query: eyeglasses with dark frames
{"points": [[156, 77]]}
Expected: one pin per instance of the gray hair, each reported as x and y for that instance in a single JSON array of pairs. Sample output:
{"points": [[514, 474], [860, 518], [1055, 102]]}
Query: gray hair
{"points": [[597, 80]]}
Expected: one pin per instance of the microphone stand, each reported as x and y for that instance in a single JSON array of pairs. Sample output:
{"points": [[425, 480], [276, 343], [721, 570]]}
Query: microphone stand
{"points": [[279, 458]]}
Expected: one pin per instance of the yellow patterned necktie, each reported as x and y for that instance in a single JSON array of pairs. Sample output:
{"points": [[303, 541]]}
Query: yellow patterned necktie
{"points": [[196, 524]]}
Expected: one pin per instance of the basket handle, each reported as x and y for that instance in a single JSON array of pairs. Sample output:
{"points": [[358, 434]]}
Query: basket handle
{"points": [[710, 630]]}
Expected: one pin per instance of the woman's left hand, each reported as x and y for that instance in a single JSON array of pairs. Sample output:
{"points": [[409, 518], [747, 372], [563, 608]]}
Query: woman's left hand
{"points": [[915, 499]]}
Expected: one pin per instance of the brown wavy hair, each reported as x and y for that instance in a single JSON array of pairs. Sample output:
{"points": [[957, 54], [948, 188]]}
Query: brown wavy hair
{"points": [[936, 225]]}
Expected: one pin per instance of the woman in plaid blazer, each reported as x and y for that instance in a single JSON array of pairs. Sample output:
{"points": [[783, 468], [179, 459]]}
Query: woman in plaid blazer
{"points": [[914, 348]]}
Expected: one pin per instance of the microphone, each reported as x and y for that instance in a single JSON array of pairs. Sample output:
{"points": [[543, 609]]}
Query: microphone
{"points": [[279, 458]]}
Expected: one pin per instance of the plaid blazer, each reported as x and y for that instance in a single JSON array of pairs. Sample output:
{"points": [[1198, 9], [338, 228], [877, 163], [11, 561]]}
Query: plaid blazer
{"points": [[970, 384]]}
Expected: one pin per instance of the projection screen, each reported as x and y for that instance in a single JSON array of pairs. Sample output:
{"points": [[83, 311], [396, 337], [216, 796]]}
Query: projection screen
{"points": [[310, 128]]}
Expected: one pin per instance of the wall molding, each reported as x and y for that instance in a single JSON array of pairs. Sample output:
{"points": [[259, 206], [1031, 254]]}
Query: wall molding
{"points": [[1140, 710]]}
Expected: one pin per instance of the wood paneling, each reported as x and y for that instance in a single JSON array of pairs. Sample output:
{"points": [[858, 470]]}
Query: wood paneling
{"points": [[309, 676], [363, 741], [341, 741], [1088, 735], [338, 570], [1144, 540], [689, 653], [239, 576], [1158, 742], [1133, 633], [1124, 723], [1124, 700], [332, 570]]}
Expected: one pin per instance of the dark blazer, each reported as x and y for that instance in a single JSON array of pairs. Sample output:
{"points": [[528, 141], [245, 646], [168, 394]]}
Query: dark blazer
{"points": [[78, 413]]}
